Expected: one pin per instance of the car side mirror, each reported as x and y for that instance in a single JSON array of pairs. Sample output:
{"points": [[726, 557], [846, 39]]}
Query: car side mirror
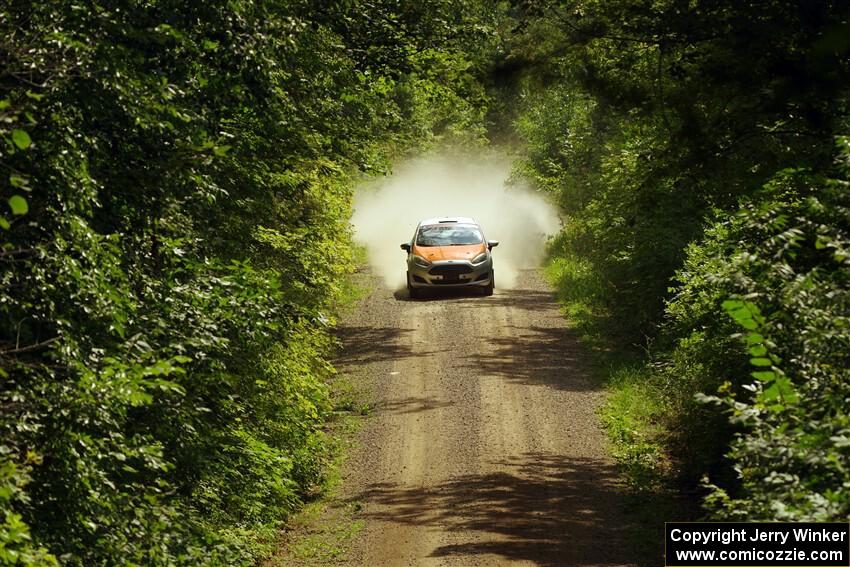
{"points": [[492, 244], [405, 247]]}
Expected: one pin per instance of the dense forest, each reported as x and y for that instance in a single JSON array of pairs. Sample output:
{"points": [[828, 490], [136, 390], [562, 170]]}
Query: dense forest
{"points": [[177, 181]]}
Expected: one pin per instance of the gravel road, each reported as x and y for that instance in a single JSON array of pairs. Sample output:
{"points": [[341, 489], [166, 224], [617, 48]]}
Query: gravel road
{"points": [[483, 447]]}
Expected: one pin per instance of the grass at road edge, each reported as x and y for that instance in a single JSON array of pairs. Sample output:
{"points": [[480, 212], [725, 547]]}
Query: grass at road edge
{"points": [[321, 532], [632, 410], [319, 535], [632, 405]]}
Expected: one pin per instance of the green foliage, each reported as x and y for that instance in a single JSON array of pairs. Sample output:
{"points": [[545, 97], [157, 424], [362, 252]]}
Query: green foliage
{"points": [[645, 117], [631, 418], [178, 179], [691, 148], [580, 291], [790, 262], [16, 546]]}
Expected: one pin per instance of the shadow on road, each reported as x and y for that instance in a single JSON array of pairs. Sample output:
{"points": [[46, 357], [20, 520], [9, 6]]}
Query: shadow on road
{"points": [[534, 355], [544, 508], [527, 299], [364, 345], [521, 297], [412, 404], [438, 294]]}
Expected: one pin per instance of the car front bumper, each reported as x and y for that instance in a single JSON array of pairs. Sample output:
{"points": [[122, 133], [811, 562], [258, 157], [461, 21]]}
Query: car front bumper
{"points": [[450, 273]]}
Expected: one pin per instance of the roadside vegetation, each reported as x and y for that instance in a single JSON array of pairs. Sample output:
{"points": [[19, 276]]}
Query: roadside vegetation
{"points": [[699, 155], [176, 189]]}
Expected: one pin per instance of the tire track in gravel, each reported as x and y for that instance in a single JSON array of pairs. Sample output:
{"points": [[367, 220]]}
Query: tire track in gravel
{"points": [[484, 448]]}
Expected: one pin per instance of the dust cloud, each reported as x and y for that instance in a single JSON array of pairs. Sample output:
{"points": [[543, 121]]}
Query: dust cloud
{"points": [[386, 212]]}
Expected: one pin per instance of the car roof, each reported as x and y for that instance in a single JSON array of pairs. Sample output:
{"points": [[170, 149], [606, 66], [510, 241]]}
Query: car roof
{"points": [[447, 220]]}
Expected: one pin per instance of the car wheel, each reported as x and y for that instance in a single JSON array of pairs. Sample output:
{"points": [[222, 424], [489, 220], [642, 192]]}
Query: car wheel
{"points": [[488, 290], [412, 291]]}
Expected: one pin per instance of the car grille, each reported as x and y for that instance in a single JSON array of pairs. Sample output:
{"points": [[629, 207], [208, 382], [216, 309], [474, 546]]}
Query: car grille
{"points": [[451, 270]]}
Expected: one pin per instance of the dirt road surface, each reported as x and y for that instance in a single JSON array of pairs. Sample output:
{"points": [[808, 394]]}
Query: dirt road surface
{"points": [[484, 448]]}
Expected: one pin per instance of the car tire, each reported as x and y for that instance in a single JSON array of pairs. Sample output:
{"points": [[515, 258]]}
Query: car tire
{"points": [[488, 290], [412, 291]]}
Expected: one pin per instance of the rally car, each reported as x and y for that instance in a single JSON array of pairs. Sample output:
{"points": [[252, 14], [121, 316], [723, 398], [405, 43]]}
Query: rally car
{"points": [[449, 252]]}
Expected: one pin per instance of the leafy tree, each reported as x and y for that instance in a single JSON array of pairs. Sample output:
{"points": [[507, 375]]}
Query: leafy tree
{"points": [[177, 178]]}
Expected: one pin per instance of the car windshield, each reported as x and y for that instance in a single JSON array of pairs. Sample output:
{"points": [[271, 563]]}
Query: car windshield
{"points": [[448, 235]]}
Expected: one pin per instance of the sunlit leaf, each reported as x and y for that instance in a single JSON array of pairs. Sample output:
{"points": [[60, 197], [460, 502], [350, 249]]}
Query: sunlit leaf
{"points": [[21, 139], [18, 204], [757, 350]]}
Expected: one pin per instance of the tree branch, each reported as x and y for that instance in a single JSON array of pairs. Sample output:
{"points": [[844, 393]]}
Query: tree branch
{"points": [[29, 348]]}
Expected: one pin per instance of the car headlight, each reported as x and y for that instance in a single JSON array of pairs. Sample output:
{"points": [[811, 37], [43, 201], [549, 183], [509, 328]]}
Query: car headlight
{"points": [[480, 258], [420, 261]]}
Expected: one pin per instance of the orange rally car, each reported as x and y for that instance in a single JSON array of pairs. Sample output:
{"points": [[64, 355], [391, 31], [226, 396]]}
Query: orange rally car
{"points": [[449, 252]]}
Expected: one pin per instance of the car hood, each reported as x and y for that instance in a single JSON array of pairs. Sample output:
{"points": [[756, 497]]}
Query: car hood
{"points": [[440, 253]]}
